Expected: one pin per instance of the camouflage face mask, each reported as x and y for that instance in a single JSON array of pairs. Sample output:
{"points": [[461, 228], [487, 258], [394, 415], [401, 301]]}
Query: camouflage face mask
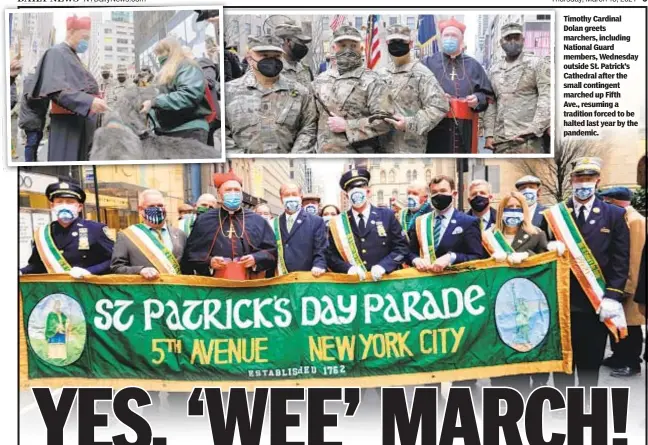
{"points": [[347, 60]]}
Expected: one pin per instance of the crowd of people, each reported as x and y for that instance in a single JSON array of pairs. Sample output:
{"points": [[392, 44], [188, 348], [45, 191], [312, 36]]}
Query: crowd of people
{"points": [[436, 104], [64, 98], [219, 237]]}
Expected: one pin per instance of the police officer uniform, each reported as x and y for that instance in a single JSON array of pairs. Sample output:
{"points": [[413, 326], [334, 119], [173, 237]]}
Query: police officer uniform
{"points": [[83, 244], [380, 242]]}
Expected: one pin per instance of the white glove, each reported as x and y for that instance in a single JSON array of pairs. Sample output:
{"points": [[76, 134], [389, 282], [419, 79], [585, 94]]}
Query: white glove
{"points": [[499, 256], [556, 246], [79, 272], [357, 271], [420, 264], [517, 257], [610, 308], [377, 272], [317, 271]]}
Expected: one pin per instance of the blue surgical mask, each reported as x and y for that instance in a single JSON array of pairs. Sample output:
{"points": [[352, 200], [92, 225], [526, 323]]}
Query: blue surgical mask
{"points": [[584, 190], [82, 47], [413, 202], [292, 203], [531, 196], [65, 212], [155, 215], [232, 200], [311, 208], [512, 217], [450, 45], [358, 197]]}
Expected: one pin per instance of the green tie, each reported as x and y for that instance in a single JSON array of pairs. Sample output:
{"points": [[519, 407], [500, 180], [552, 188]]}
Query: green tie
{"points": [[289, 220]]}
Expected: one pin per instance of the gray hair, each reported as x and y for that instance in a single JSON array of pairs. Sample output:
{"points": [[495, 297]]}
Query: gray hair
{"points": [[148, 192], [478, 182]]}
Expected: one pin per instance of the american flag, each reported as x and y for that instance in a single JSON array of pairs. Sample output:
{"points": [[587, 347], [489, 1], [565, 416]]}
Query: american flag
{"points": [[372, 41], [337, 21]]}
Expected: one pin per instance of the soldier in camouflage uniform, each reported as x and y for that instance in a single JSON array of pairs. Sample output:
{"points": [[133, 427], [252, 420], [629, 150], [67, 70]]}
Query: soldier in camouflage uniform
{"points": [[522, 85], [295, 49], [418, 98], [266, 112], [347, 97]]}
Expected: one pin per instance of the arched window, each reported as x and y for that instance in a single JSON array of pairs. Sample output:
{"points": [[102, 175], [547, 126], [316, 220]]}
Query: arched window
{"points": [[409, 176], [414, 175], [428, 176], [383, 176], [392, 176], [381, 198]]}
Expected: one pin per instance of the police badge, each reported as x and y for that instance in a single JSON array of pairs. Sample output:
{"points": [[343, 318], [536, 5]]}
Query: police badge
{"points": [[381, 229], [84, 244]]}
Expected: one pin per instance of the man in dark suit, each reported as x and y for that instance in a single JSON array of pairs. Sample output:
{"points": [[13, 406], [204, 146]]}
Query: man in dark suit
{"points": [[379, 246], [529, 186], [480, 197], [85, 245], [605, 232], [301, 236], [457, 236]]}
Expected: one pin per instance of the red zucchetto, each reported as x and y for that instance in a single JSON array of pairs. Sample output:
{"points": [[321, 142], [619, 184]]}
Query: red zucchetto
{"points": [[451, 23], [222, 178], [75, 22]]}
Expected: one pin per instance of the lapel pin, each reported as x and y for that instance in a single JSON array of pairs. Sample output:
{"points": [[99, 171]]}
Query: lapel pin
{"points": [[526, 236], [453, 221], [74, 233], [519, 241], [592, 222], [373, 222], [299, 221], [596, 210]]}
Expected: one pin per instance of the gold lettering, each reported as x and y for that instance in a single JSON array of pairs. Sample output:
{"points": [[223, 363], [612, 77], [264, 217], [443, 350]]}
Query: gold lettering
{"points": [[403, 348], [345, 346], [219, 342], [260, 348], [424, 349], [391, 338], [366, 343], [457, 337], [444, 343], [383, 347]]}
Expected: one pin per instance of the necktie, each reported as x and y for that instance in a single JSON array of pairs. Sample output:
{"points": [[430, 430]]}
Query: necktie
{"points": [[158, 233], [290, 223], [580, 220], [437, 230], [361, 224]]}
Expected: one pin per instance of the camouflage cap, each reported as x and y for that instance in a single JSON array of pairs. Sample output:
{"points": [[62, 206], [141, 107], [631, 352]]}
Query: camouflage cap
{"points": [[291, 30], [346, 32], [265, 43], [511, 28], [398, 32]]}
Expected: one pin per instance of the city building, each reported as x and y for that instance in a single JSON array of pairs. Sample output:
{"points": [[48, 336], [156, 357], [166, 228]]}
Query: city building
{"points": [[154, 25], [31, 35], [112, 45], [537, 35]]}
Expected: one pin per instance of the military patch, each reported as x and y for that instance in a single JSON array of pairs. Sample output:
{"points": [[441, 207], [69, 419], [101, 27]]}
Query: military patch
{"points": [[294, 93]]}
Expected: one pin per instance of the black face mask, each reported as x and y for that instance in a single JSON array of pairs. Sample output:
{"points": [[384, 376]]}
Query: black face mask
{"points": [[441, 202], [269, 67], [298, 50], [105, 75], [121, 79], [512, 49], [398, 48], [479, 203]]}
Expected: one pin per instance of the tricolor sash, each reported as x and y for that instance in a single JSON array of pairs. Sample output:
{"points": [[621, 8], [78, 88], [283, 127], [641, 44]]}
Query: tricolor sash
{"points": [[50, 255], [494, 242], [186, 223], [425, 234], [583, 264], [344, 241], [402, 219], [153, 249], [281, 262]]}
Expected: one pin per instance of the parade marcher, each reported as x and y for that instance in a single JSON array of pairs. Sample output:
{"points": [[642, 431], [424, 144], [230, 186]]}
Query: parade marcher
{"points": [[328, 212], [418, 203], [521, 113], [184, 210], [467, 87], [595, 304], [419, 101], [311, 204], [301, 236], [529, 186], [106, 85], [152, 247], [204, 204], [265, 111], [70, 244], [181, 108], [74, 92], [364, 240], [232, 234], [31, 118], [479, 198], [264, 211], [352, 101], [626, 354], [295, 49], [118, 89]]}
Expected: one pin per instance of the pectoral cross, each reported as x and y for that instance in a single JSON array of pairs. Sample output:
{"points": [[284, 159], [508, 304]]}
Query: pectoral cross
{"points": [[453, 74], [231, 231]]}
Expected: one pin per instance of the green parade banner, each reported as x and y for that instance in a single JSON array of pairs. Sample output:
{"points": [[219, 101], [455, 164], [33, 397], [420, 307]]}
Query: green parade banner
{"points": [[480, 319]]}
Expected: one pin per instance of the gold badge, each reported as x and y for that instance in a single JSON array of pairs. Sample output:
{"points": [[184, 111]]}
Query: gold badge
{"points": [[596, 210], [605, 230], [381, 229], [64, 186], [84, 244]]}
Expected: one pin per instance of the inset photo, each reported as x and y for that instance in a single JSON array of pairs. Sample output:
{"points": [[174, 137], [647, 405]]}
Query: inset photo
{"points": [[110, 86], [465, 84]]}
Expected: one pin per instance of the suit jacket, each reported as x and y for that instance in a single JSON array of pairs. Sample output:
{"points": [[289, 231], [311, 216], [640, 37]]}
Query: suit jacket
{"points": [[606, 234], [532, 244], [94, 256], [539, 220], [305, 246], [388, 251], [462, 237], [127, 259], [492, 217], [637, 226]]}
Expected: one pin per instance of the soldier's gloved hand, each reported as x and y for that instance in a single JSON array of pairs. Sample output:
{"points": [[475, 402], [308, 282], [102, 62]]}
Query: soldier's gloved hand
{"points": [[377, 272], [79, 272], [517, 257], [499, 256], [556, 246], [317, 271], [610, 308], [421, 264], [357, 271]]}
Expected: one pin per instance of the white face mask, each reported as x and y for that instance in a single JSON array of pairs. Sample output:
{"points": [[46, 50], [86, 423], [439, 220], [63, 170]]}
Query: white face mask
{"points": [[292, 203], [413, 202], [65, 212], [358, 197], [327, 218], [531, 195]]}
